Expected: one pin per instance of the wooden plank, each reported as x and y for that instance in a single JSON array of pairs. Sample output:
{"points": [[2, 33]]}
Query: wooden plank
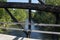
{"points": [[32, 6]]}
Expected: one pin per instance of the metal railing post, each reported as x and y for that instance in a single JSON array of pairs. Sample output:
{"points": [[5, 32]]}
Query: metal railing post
{"points": [[29, 26]]}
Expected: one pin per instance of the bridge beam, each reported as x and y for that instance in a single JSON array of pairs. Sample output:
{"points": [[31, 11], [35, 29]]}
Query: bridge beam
{"points": [[32, 6]]}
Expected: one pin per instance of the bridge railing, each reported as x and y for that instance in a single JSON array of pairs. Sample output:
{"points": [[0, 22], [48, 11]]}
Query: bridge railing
{"points": [[36, 24], [38, 31]]}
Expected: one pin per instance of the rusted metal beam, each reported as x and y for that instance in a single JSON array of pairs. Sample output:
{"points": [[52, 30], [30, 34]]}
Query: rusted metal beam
{"points": [[32, 6]]}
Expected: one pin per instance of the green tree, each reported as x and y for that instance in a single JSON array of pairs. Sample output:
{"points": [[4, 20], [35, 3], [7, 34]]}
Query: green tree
{"points": [[44, 17], [52, 2], [19, 14]]}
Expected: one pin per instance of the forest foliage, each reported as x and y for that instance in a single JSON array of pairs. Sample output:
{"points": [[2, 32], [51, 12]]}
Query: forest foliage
{"points": [[46, 17]]}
